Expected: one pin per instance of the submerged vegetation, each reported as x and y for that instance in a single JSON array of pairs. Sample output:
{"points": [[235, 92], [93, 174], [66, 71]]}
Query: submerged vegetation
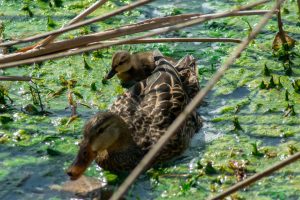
{"points": [[251, 116]]}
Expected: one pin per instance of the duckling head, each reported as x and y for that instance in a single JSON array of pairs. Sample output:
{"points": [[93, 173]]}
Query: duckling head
{"points": [[120, 64], [101, 133]]}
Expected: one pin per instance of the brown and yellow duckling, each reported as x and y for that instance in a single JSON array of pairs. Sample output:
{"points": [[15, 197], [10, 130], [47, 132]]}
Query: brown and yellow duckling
{"points": [[119, 138], [131, 68]]}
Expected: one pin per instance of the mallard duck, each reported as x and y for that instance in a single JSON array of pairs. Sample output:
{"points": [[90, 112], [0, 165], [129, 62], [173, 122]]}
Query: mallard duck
{"points": [[119, 138], [131, 68]]}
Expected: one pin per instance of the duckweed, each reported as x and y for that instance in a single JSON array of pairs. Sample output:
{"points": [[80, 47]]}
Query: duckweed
{"points": [[259, 95]]}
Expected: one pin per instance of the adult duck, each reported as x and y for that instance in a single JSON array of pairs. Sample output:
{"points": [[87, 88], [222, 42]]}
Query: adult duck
{"points": [[119, 138]]}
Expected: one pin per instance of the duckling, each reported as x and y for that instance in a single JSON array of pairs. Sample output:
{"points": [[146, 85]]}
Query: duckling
{"points": [[131, 68], [118, 139]]}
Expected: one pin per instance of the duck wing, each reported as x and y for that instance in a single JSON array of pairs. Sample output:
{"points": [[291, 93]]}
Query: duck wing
{"points": [[188, 72], [150, 107]]}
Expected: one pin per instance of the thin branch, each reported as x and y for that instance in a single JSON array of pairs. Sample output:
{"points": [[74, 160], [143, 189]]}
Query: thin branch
{"points": [[121, 31], [257, 177], [95, 37], [163, 40], [15, 78], [109, 35], [78, 18], [77, 25], [189, 109], [14, 57]]}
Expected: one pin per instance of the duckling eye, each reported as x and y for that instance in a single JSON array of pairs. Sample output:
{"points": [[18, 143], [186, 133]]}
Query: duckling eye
{"points": [[122, 62]]}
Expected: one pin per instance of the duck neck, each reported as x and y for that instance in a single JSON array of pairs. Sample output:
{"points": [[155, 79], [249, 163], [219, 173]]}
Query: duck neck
{"points": [[124, 141]]}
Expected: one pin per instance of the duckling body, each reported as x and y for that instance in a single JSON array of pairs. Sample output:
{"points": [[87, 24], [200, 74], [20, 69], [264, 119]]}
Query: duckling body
{"points": [[118, 139], [131, 68]]}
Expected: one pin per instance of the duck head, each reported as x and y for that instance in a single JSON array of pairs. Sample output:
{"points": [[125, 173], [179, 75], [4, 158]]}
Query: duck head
{"points": [[121, 63], [101, 132]]}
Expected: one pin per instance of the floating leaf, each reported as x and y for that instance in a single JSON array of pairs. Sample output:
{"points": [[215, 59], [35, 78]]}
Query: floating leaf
{"points": [[27, 10], [30, 109], [104, 81], [289, 111], [77, 94], [209, 169], [63, 81], [296, 85], [110, 177], [238, 168], [51, 23], [255, 150], [272, 83], [249, 31], [262, 85], [71, 83], [59, 92], [292, 149], [286, 95], [86, 65], [53, 152], [3, 138], [5, 119], [266, 71], [71, 119], [57, 3], [286, 11], [93, 86], [20, 135], [236, 124], [288, 69], [279, 84]]}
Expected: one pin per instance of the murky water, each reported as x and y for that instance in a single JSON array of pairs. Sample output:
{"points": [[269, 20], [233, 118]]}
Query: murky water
{"points": [[34, 168]]}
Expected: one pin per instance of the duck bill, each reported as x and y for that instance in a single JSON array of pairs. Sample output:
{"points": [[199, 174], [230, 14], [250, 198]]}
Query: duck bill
{"points": [[110, 74], [82, 161]]}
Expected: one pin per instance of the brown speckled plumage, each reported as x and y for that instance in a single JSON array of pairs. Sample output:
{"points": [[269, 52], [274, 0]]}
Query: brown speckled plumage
{"points": [[119, 138], [149, 107]]}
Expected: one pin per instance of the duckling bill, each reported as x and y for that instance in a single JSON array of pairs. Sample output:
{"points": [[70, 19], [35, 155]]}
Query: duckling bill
{"points": [[119, 138]]}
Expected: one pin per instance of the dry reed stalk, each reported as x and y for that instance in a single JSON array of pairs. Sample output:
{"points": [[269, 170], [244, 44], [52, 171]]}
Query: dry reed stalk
{"points": [[257, 176], [15, 78], [78, 18], [153, 33], [80, 24], [125, 30], [189, 108], [163, 40], [108, 34]]}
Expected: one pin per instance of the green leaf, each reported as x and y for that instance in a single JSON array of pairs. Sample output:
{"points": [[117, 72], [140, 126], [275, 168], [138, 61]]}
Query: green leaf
{"points": [[52, 152]]}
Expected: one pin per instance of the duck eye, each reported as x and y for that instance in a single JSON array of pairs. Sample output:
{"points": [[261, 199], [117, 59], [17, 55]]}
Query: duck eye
{"points": [[84, 153], [100, 130]]}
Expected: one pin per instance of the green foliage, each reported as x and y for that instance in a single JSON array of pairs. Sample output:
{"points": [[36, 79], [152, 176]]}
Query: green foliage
{"points": [[266, 71], [255, 151], [236, 124], [27, 9], [51, 23], [209, 169]]}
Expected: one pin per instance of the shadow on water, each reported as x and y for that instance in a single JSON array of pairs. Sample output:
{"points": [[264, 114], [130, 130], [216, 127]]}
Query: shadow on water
{"points": [[45, 178], [32, 180]]}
